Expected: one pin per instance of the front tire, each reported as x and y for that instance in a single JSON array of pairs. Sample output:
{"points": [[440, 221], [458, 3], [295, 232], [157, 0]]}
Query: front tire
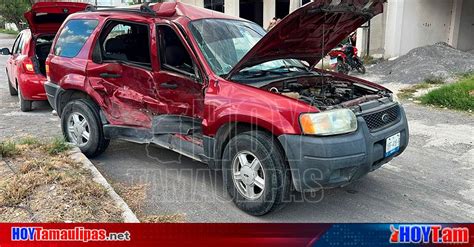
{"points": [[25, 105], [81, 125], [255, 173]]}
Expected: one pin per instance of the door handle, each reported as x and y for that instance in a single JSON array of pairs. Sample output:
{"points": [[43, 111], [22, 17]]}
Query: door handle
{"points": [[169, 85], [107, 75]]}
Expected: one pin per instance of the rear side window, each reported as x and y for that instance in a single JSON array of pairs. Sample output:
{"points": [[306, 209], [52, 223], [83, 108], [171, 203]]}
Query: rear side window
{"points": [[73, 37], [16, 44]]}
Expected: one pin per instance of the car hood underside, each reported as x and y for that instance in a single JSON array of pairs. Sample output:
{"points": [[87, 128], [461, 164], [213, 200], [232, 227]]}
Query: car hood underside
{"points": [[311, 31]]}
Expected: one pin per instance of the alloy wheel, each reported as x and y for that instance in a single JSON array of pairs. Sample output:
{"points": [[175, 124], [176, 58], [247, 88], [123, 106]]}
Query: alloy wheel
{"points": [[248, 175], [78, 129]]}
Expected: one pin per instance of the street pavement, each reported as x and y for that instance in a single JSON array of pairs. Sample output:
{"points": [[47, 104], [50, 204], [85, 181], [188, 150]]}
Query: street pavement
{"points": [[432, 181]]}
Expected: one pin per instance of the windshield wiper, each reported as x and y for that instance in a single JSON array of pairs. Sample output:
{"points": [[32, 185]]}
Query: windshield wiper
{"points": [[289, 67], [260, 73]]}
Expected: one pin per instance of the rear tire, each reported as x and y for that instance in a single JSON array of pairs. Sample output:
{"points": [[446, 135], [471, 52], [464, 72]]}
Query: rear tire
{"points": [[25, 105], [11, 89], [81, 125], [273, 173]]}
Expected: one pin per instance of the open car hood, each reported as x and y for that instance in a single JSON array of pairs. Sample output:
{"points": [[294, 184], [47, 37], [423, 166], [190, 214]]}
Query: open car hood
{"points": [[311, 31], [47, 17]]}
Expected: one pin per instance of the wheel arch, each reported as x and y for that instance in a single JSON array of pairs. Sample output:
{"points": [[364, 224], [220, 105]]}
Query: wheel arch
{"points": [[229, 130], [67, 95]]}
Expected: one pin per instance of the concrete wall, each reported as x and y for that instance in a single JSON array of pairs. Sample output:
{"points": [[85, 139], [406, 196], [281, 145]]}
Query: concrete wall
{"points": [[465, 40], [415, 23], [199, 3], [377, 33], [425, 22]]}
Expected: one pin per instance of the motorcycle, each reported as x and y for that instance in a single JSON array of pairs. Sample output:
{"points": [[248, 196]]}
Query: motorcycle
{"points": [[344, 59]]}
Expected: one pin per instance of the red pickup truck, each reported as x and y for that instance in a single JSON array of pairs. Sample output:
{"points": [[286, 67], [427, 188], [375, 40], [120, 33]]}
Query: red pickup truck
{"points": [[222, 91]]}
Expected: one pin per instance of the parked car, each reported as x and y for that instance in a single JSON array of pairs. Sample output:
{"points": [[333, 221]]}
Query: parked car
{"points": [[26, 63], [222, 91]]}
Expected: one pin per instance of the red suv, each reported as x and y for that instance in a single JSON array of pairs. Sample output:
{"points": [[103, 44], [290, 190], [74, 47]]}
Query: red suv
{"points": [[224, 92], [26, 65]]}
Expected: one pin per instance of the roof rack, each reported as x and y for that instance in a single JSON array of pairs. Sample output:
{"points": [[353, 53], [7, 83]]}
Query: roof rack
{"points": [[144, 9]]}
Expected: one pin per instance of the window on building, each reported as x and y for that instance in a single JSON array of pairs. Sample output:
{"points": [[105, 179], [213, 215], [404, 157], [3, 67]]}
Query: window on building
{"points": [[282, 8], [73, 37], [252, 10], [216, 5], [303, 2]]}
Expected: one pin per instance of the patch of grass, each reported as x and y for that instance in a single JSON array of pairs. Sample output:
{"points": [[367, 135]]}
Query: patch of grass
{"points": [[8, 149], [458, 96], [8, 31], [57, 146], [29, 140], [408, 92], [52, 188], [434, 80]]}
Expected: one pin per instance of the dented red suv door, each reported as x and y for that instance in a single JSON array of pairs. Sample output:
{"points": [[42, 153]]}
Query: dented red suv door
{"points": [[181, 91], [127, 87]]}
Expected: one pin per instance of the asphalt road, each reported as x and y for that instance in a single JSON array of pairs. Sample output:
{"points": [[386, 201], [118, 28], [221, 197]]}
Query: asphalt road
{"points": [[432, 181]]}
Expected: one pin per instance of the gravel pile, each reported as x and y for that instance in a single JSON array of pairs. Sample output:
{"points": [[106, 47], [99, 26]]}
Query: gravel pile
{"points": [[439, 60]]}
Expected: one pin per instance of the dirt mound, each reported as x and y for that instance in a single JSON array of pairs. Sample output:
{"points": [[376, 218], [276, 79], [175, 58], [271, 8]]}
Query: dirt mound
{"points": [[439, 60]]}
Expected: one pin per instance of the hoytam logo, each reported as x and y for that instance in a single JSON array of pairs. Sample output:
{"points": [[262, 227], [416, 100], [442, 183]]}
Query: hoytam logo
{"points": [[429, 234], [74, 234]]}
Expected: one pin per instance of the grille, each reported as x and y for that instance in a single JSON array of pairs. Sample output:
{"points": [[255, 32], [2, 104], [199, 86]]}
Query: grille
{"points": [[378, 120]]}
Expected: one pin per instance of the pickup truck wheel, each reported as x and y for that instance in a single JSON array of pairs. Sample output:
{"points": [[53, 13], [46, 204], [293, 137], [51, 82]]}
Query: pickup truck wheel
{"points": [[81, 126], [11, 89], [25, 105], [255, 173]]}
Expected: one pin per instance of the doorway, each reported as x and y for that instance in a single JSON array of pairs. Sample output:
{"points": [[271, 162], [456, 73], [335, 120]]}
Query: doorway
{"points": [[282, 8], [252, 10], [216, 5]]}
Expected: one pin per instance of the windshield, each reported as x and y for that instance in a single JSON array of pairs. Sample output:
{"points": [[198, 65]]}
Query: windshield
{"points": [[225, 42]]}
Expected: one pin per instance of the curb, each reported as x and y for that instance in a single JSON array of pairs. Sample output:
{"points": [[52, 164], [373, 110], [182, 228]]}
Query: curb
{"points": [[127, 214]]}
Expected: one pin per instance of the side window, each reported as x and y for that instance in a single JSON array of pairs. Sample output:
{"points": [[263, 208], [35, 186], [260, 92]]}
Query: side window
{"points": [[173, 54], [21, 44], [73, 37], [16, 44], [127, 42]]}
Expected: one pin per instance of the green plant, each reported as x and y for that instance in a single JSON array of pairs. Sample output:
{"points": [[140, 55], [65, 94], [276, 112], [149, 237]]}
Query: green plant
{"points": [[8, 149], [29, 140], [12, 10], [58, 145], [459, 95]]}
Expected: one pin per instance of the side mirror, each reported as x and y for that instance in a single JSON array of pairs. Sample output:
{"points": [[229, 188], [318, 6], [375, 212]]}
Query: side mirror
{"points": [[5, 51]]}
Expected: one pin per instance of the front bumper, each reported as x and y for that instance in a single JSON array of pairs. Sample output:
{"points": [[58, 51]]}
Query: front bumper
{"points": [[333, 161]]}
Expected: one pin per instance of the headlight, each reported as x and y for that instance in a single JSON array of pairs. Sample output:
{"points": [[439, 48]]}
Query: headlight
{"points": [[329, 122]]}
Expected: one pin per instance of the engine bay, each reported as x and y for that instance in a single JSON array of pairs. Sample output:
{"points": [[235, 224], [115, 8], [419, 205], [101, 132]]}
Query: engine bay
{"points": [[326, 93]]}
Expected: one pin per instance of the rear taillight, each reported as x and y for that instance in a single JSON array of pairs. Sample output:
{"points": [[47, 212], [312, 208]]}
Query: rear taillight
{"points": [[31, 65], [46, 67], [28, 66]]}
